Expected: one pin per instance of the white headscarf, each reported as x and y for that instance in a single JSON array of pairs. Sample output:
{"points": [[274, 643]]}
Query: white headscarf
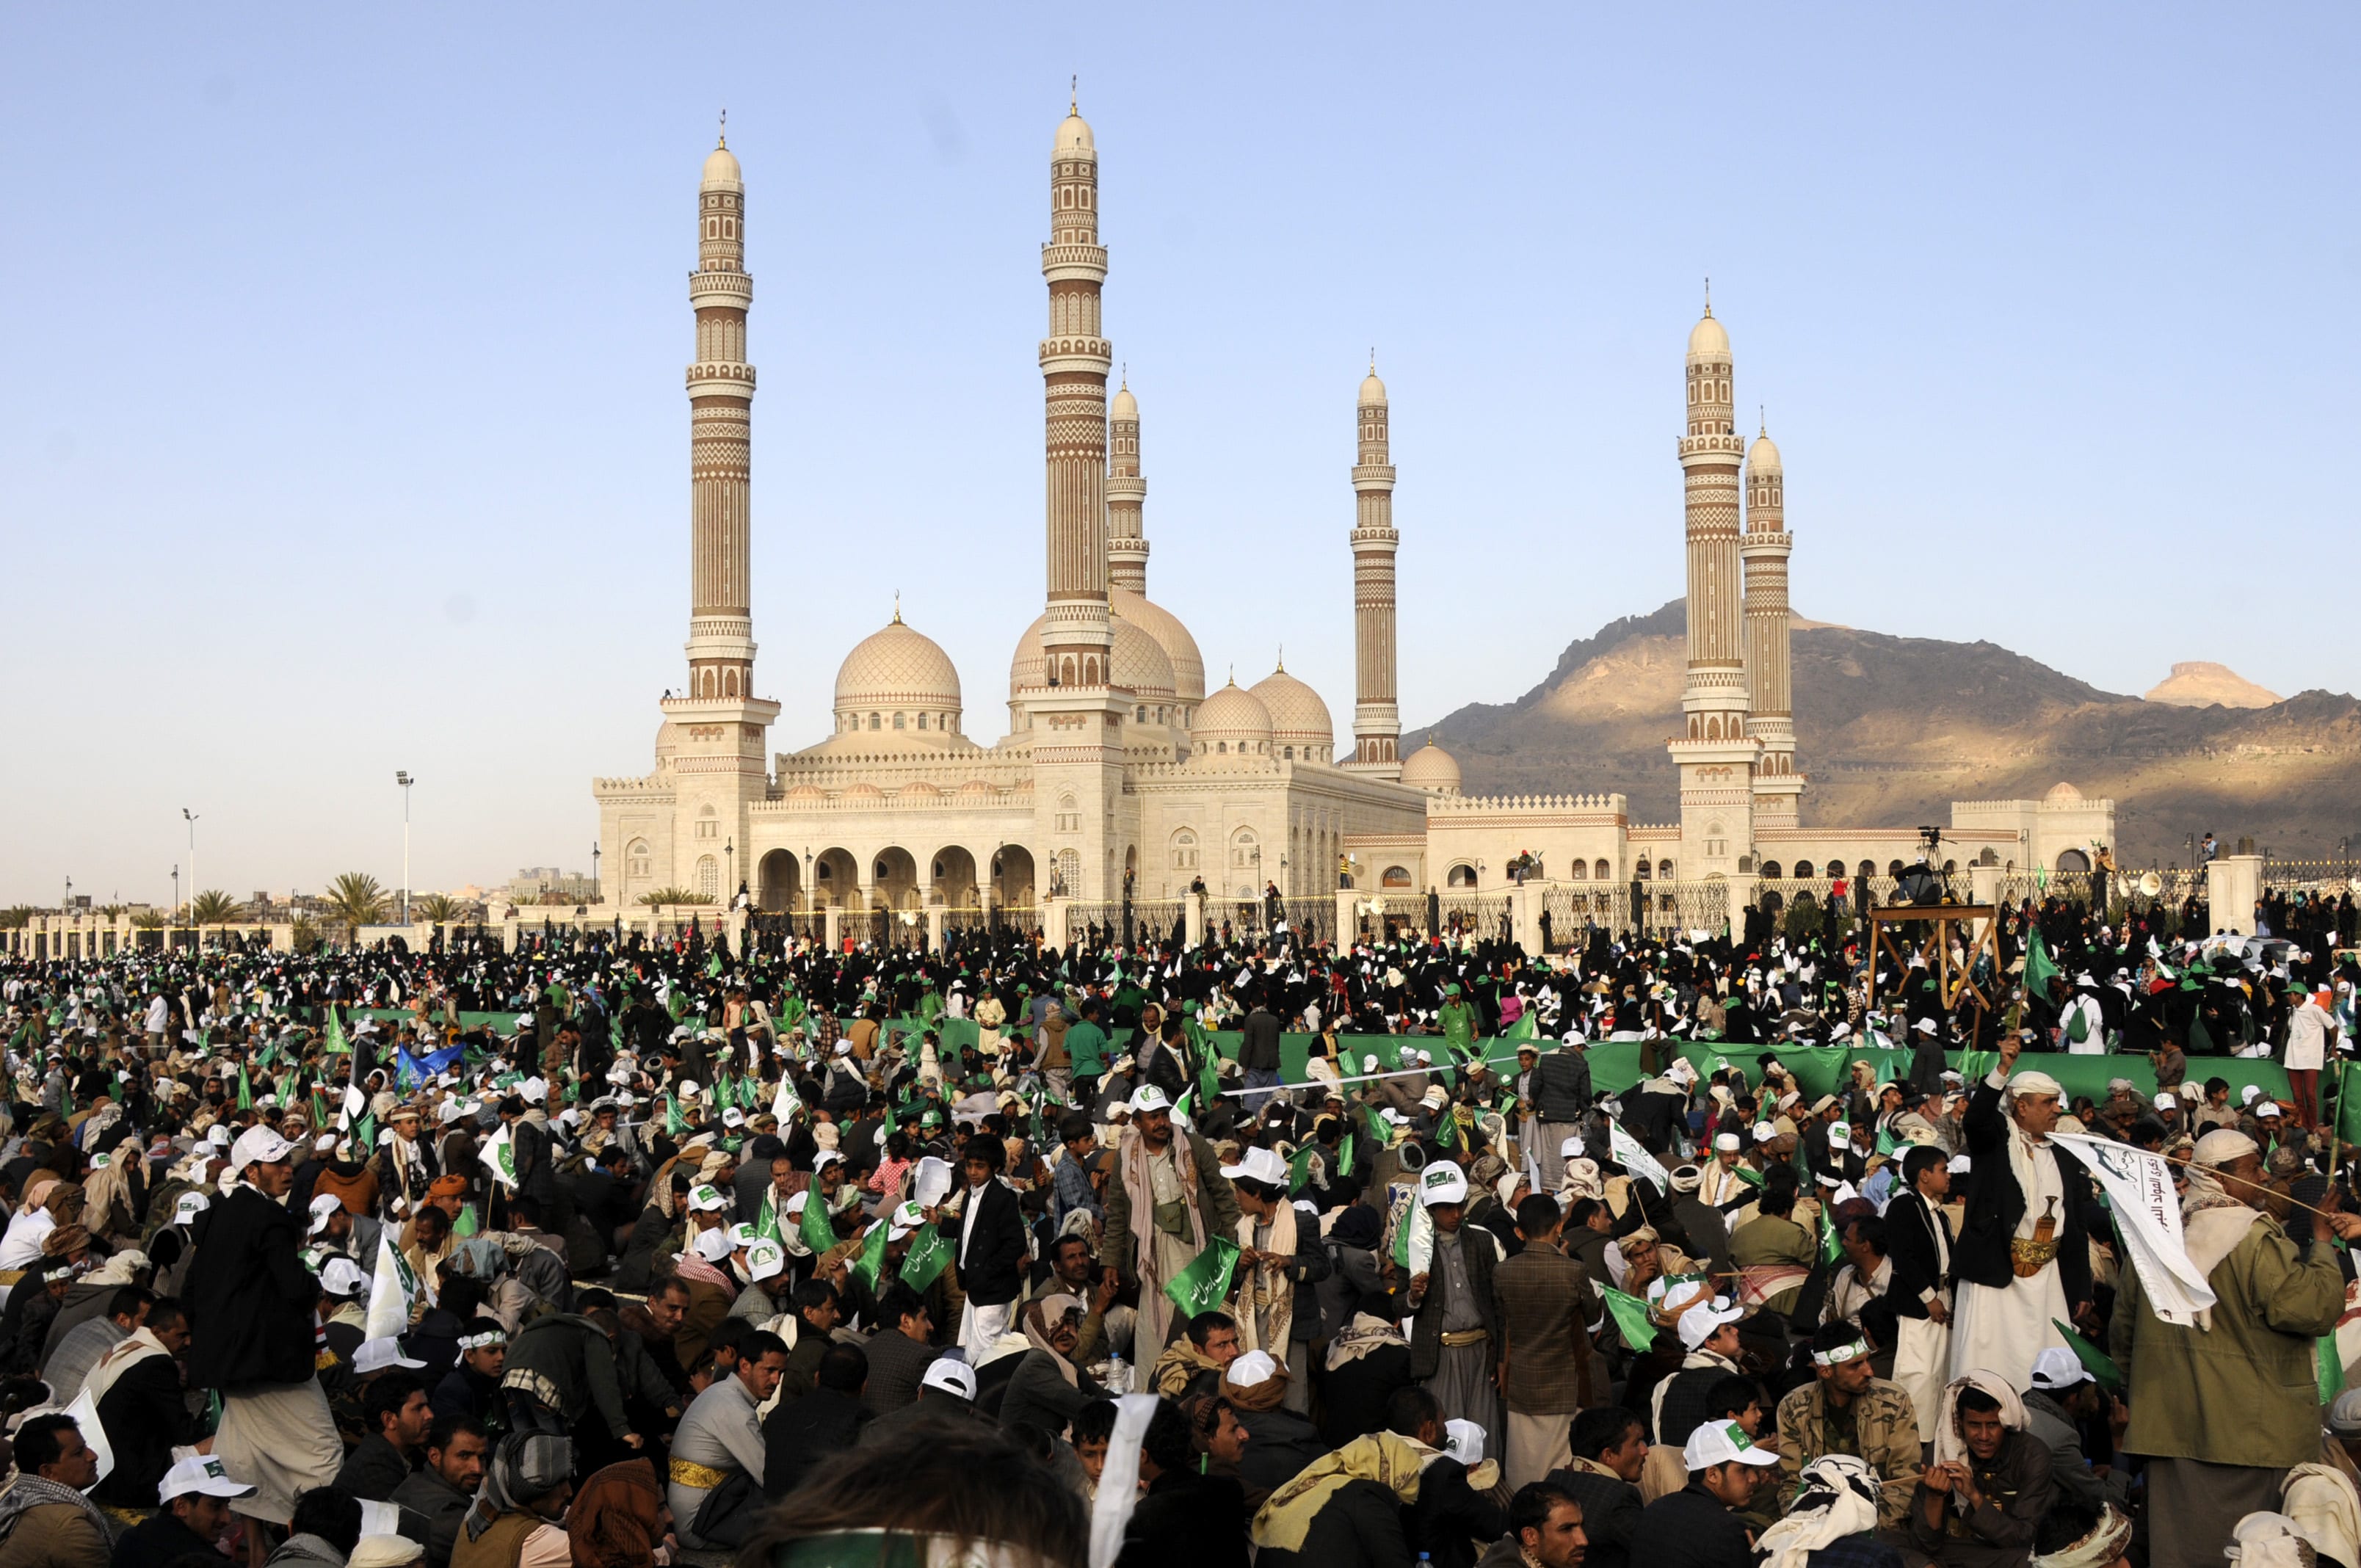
{"points": [[1949, 1447], [1839, 1498]]}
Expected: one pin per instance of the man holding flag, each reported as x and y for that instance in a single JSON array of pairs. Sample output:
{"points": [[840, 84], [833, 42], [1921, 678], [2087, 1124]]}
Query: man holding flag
{"points": [[1165, 1200], [1454, 1331], [2224, 1407]]}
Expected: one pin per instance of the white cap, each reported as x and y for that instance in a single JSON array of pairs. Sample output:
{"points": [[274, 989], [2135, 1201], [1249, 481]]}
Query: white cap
{"points": [[200, 1473], [1261, 1164], [906, 1218], [326, 1204], [1368, 1064], [1570, 1149], [1255, 1367], [189, 1206], [733, 1117], [952, 1376], [743, 1236], [2165, 1102], [2267, 1108], [1958, 1165], [342, 1277], [1149, 1098], [376, 1354], [2058, 1367], [257, 1145], [1720, 1442], [712, 1245], [1443, 1182], [1727, 1143], [384, 1551], [707, 1199], [1699, 1322], [1464, 1443], [532, 1090], [764, 1259]]}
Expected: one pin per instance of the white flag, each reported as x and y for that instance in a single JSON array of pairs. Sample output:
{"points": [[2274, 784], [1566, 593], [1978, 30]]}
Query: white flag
{"points": [[2139, 1185], [1637, 1160], [391, 1291], [499, 1157]]}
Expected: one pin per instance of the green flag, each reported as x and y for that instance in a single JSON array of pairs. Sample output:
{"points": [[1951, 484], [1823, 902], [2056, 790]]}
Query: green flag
{"points": [[1345, 1154], [2039, 967], [676, 1124], [1749, 1175], [245, 1089], [2331, 1369], [2096, 1362], [1204, 1285], [1524, 1028], [819, 1229], [1630, 1315], [871, 1259], [1831, 1243], [1298, 1168], [337, 1045], [1446, 1128], [2348, 1101], [766, 1224], [365, 1135], [929, 1255], [465, 1226], [713, 966]]}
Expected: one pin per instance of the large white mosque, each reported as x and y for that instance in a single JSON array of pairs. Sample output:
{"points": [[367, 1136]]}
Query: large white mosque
{"points": [[1120, 775]]}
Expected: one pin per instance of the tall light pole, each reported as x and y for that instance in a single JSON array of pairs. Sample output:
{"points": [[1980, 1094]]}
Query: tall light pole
{"points": [[401, 777], [192, 819], [598, 891]]}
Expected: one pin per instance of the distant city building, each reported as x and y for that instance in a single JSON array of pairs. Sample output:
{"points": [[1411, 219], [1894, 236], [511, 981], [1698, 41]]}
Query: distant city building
{"points": [[535, 884]]}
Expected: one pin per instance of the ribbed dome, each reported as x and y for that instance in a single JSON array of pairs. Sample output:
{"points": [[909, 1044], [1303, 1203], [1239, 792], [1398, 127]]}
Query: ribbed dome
{"points": [[975, 787], [864, 791], [1141, 663], [721, 171], [1298, 717], [1234, 717], [810, 792], [1372, 389], [1431, 768], [1124, 406], [1763, 457], [667, 743], [897, 667], [1707, 338], [1188, 664], [1073, 135], [2063, 794]]}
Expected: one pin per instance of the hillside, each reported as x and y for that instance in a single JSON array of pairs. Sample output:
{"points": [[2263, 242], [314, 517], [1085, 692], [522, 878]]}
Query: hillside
{"points": [[2197, 684], [1892, 729]]}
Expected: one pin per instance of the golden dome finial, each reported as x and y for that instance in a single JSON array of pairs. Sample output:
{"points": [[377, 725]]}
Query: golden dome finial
{"points": [[1708, 296], [1762, 419], [1282, 658], [898, 607], [723, 139], [1074, 93], [1373, 359]]}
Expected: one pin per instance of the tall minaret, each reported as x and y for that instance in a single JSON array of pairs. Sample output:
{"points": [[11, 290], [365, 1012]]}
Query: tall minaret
{"points": [[1377, 721], [1715, 754], [1075, 363], [1083, 823], [1772, 721], [1127, 495], [720, 403]]}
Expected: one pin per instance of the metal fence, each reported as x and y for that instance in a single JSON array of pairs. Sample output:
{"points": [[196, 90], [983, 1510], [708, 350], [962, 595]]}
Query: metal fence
{"points": [[1311, 919], [1675, 906], [1481, 914], [1570, 912], [2329, 877]]}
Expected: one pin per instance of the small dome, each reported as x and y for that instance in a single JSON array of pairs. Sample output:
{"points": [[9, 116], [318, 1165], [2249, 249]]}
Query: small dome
{"points": [[807, 792], [1706, 338], [721, 171], [897, 667], [667, 743], [864, 791], [1430, 768], [1125, 405], [975, 788], [919, 789], [1073, 135], [1298, 717], [1140, 665], [1763, 457], [1233, 716], [1372, 389], [2063, 794]]}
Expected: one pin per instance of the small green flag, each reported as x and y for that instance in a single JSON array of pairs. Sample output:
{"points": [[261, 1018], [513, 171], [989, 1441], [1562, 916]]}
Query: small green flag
{"points": [[2331, 1369], [1630, 1315], [1446, 1128], [365, 1135], [1298, 1168], [1749, 1175], [2039, 970], [871, 1259], [1344, 1151], [465, 1226], [1204, 1285], [713, 967], [1831, 1243], [819, 1229], [2096, 1362], [676, 1124], [336, 1045], [766, 1224], [929, 1255], [245, 1089]]}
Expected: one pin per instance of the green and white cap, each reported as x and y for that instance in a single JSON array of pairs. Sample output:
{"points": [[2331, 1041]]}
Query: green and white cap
{"points": [[1722, 1442]]}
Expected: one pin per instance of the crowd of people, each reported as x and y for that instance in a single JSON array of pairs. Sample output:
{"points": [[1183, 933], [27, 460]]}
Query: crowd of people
{"points": [[615, 1251]]}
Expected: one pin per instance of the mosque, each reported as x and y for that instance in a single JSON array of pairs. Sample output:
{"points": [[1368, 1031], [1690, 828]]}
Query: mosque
{"points": [[1121, 777]]}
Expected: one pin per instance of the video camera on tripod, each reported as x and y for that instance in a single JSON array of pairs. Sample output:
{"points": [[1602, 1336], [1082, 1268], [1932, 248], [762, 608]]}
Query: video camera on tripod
{"points": [[1920, 884]]}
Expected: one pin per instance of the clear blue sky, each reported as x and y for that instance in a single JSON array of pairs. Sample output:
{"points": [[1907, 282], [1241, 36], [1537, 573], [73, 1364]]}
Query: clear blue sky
{"points": [[342, 427]]}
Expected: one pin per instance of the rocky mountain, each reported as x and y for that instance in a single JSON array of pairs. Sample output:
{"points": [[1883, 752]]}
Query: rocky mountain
{"points": [[2197, 684], [1893, 730]]}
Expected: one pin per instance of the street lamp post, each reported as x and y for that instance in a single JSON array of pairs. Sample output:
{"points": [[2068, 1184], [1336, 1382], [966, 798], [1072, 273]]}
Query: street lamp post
{"points": [[401, 776], [597, 892], [192, 819]]}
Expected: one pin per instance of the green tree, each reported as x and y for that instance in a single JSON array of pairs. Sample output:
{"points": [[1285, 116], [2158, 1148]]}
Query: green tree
{"points": [[149, 920], [664, 897], [438, 909], [214, 907], [354, 900], [305, 934]]}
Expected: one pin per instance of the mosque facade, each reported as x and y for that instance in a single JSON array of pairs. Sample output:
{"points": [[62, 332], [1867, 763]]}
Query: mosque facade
{"points": [[1120, 777]]}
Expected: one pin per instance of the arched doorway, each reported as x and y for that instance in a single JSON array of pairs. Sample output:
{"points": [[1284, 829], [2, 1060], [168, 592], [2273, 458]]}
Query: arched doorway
{"points": [[780, 878], [895, 873], [2074, 861], [1012, 878], [836, 877], [954, 878]]}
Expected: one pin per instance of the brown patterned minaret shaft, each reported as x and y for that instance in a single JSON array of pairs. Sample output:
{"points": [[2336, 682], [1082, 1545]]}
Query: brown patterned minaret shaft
{"points": [[1714, 693], [1766, 547], [1127, 495], [1377, 716], [1077, 636], [721, 403]]}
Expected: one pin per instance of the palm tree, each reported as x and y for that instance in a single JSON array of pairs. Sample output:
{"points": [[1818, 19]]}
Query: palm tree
{"points": [[356, 900], [438, 909], [149, 920], [214, 907], [305, 934], [664, 896]]}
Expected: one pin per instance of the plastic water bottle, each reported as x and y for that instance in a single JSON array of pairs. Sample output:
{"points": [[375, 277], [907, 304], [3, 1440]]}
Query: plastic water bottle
{"points": [[1118, 1379]]}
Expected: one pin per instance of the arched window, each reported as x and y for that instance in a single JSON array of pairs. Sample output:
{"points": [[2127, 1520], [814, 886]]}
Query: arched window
{"points": [[1070, 815], [1803, 867], [708, 877], [2073, 860], [1716, 840], [1894, 868], [1395, 876], [1989, 857], [1070, 870], [1866, 869], [637, 861], [900, 720], [1771, 869], [706, 827], [1245, 850], [1643, 870], [1185, 851], [1665, 873], [876, 722], [1602, 871], [1460, 875]]}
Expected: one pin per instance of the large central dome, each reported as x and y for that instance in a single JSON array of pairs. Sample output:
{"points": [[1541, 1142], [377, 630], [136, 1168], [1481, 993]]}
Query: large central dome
{"points": [[897, 685], [1188, 664]]}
